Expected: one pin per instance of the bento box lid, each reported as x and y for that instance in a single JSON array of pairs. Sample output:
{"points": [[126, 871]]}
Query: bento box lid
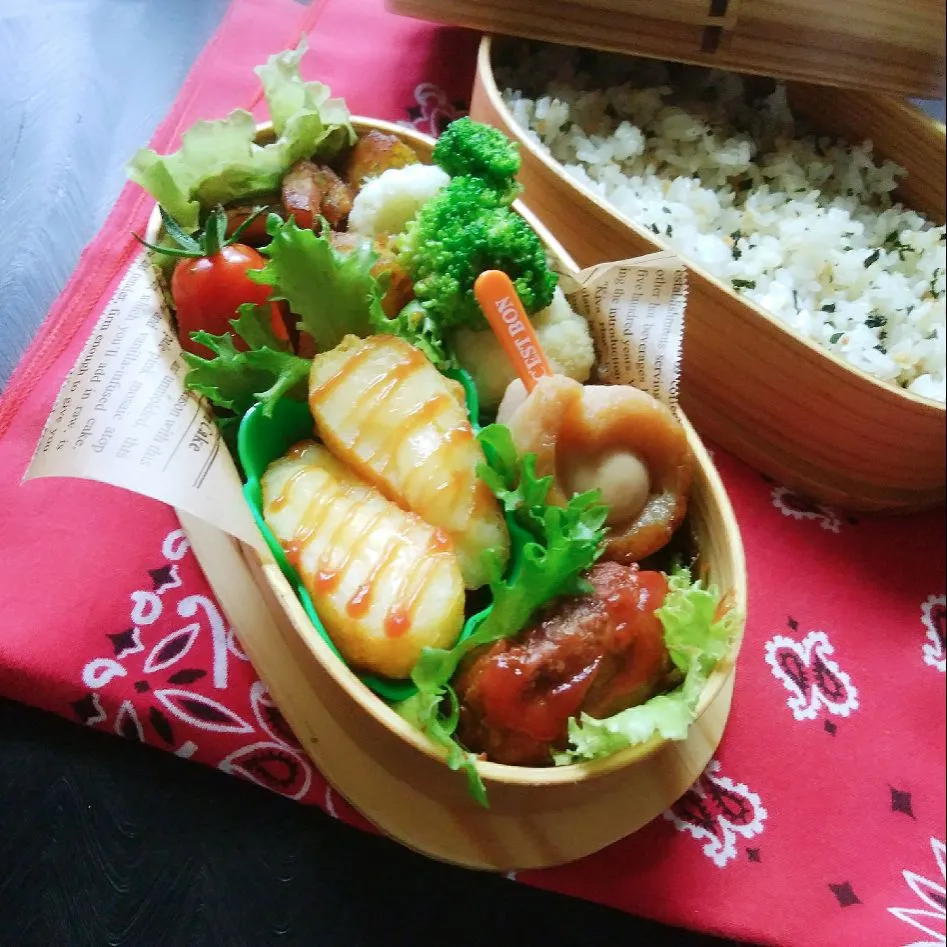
{"points": [[867, 44]]}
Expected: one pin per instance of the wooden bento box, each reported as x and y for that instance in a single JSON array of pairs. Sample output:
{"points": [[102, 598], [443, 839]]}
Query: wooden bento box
{"points": [[398, 780], [749, 383], [865, 44]]}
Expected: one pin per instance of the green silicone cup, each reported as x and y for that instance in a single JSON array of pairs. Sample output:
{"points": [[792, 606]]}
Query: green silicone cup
{"points": [[264, 438]]}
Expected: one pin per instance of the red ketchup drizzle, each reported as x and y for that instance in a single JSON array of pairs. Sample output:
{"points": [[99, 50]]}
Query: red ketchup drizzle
{"points": [[360, 601], [508, 683], [293, 553], [397, 622], [512, 702], [325, 581], [638, 632]]}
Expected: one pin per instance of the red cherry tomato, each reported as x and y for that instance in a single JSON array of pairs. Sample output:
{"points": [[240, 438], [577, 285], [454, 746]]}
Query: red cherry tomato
{"points": [[208, 290]]}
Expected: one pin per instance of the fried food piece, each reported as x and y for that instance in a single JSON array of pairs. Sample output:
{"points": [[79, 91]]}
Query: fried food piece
{"points": [[310, 190], [384, 582], [596, 654], [382, 408], [400, 289], [616, 438], [373, 153]]}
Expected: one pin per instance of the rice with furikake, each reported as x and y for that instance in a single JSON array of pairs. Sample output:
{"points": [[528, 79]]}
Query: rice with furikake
{"points": [[716, 165]]}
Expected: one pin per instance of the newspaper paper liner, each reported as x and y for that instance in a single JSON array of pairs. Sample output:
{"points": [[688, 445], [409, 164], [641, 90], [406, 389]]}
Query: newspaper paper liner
{"points": [[635, 309], [124, 417]]}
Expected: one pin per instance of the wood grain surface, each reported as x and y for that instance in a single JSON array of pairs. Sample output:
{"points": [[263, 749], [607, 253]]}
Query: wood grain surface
{"points": [[863, 44], [538, 817]]}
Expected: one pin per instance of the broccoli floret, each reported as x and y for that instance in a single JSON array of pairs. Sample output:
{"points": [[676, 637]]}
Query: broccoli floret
{"points": [[468, 227], [462, 231], [469, 149]]}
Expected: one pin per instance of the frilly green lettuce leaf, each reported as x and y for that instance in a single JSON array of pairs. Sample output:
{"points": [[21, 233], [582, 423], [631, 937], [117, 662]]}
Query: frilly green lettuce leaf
{"points": [[255, 326], [332, 293], [552, 547], [693, 632], [335, 294], [235, 380], [289, 97], [696, 640], [415, 325], [219, 161], [424, 712]]}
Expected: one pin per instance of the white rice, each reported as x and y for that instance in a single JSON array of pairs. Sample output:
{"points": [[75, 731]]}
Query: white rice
{"points": [[804, 226]]}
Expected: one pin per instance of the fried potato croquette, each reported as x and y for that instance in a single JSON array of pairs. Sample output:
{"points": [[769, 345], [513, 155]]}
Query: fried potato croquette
{"points": [[385, 583], [382, 408]]}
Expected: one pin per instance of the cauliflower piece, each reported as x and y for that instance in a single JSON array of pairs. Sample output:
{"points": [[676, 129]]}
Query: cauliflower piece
{"points": [[385, 204], [563, 334]]}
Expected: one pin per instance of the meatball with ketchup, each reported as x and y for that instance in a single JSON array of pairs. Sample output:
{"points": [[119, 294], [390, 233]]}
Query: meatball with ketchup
{"points": [[596, 654]]}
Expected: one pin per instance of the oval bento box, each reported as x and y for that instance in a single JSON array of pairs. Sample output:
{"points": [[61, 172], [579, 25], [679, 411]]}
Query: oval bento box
{"points": [[389, 771], [749, 383]]}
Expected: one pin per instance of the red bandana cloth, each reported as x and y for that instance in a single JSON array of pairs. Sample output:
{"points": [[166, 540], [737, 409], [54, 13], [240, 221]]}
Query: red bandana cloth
{"points": [[821, 819]]}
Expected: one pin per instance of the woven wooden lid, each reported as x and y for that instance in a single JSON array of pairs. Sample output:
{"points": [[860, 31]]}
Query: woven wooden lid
{"points": [[868, 44]]}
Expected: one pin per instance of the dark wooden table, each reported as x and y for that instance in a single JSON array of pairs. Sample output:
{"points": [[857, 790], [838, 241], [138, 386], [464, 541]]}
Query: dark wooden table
{"points": [[103, 842], [107, 843]]}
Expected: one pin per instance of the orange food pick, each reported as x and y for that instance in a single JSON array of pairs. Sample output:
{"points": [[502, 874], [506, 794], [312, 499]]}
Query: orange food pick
{"points": [[504, 311]]}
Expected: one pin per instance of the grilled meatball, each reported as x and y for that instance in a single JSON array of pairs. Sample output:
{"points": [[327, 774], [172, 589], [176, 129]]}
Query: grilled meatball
{"points": [[596, 654]]}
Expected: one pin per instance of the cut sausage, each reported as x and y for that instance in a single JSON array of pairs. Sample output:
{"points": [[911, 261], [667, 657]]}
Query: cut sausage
{"points": [[311, 190]]}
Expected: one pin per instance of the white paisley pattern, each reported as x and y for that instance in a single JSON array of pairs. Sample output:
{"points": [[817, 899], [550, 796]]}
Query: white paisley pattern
{"points": [[932, 616], [256, 762], [813, 679], [186, 647], [793, 505], [715, 810], [930, 918], [433, 110]]}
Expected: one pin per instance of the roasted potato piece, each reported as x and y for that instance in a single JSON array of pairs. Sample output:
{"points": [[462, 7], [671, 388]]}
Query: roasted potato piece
{"points": [[400, 290], [382, 408], [373, 153], [384, 582], [310, 190]]}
